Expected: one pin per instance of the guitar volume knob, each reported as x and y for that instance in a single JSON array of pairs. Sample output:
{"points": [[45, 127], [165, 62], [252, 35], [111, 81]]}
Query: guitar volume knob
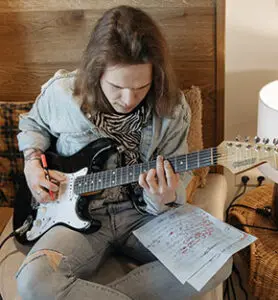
{"points": [[38, 223]]}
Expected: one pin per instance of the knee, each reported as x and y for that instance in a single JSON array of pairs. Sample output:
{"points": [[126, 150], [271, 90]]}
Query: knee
{"points": [[35, 276]]}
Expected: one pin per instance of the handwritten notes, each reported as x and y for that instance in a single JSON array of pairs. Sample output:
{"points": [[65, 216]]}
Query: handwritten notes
{"points": [[191, 243]]}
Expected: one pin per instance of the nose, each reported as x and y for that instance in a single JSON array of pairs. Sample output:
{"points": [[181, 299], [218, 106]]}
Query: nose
{"points": [[128, 97]]}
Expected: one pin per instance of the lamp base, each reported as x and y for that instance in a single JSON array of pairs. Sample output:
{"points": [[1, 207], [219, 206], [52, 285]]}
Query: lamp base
{"points": [[275, 204]]}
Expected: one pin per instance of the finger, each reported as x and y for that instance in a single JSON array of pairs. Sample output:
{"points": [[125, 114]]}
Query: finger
{"points": [[142, 181], [169, 173], [57, 175], [41, 195], [152, 181], [160, 171], [49, 185]]}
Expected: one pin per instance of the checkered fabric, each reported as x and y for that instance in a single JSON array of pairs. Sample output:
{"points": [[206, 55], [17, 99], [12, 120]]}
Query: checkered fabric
{"points": [[11, 160]]}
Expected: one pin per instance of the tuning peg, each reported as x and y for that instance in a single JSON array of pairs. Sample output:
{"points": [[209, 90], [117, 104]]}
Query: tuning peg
{"points": [[265, 140], [238, 138], [246, 139], [275, 141], [257, 139]]}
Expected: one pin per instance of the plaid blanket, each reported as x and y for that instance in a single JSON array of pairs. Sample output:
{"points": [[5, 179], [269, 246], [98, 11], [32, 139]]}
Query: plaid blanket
{"points": [[11, 160]]}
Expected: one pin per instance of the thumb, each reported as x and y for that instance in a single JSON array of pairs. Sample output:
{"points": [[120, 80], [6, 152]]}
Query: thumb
{"points": [[57, 175]]}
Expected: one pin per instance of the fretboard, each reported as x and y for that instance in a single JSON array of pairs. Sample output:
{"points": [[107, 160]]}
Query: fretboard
{"points": [[128, 174]]}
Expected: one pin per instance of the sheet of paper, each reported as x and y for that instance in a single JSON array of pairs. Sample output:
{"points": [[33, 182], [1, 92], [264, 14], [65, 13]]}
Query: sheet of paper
{"points": [[191, 243], [201, 277]]}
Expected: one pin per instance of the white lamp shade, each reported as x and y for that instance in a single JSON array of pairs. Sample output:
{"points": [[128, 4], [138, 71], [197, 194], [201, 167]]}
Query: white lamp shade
{"points": [[268, 121]]}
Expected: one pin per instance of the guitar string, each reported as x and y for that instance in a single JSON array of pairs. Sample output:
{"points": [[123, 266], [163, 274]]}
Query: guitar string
{"points": [[206, 160], [147, 165], [94, 177]]}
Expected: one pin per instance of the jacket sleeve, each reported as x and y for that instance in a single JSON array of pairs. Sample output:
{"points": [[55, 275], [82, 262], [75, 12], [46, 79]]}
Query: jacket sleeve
{"points": [[34, 125], [174, 143]]}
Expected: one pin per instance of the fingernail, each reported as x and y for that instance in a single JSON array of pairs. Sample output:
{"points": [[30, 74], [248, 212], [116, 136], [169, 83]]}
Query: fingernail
{"points": [[160, 159]]}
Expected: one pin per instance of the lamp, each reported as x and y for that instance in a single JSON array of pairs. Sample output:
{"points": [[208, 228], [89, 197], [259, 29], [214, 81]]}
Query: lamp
{"points": [[268, 128]]}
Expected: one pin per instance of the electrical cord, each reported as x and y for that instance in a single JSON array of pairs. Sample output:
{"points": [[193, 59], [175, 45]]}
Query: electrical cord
{"points": [[7, 238], [244, 180], [235, 269], [266, 211], [19, 231], [233, 288], [260, 180]]}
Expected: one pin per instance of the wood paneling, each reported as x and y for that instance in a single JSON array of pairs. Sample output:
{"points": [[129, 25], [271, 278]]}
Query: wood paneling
{"points": [[32, 36], [38, 38], [54, 5]]}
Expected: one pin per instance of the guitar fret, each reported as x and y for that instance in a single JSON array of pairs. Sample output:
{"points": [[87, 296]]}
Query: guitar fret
{"points": [[92, 181], [98, 183], [124, 175], [110, 177], [82, 184]]}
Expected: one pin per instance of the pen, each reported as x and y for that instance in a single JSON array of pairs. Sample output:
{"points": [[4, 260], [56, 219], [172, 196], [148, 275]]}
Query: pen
{"points": [[45, 167]]}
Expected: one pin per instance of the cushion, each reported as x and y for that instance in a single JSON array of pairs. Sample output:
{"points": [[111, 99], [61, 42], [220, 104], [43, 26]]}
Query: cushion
{"points": [[11, 160], [195, 138]]}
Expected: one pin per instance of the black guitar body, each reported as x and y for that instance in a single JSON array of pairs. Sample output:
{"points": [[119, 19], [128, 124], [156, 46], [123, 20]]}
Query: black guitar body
{"points": [[94, 156]]}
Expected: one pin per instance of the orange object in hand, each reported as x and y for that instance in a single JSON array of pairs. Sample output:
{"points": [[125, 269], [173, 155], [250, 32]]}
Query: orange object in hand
{"points": [[45, 167]]}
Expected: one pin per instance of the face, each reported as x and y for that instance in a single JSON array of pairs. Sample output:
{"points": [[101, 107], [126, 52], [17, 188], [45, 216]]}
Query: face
{"points": [[125, 86]]}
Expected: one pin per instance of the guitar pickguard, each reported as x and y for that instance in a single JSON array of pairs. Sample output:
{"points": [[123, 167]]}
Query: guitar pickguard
{"points": [[61, 211]]}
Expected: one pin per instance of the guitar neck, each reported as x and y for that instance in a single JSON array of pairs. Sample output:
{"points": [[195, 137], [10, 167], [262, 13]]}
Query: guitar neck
{"points": [[128, 174]]}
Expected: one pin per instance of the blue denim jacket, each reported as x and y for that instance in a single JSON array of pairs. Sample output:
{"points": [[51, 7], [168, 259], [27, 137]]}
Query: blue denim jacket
{"points": [[56, 111]]}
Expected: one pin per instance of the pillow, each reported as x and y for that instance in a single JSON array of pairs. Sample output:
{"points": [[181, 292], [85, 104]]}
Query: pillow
{"points": [[11, 160], [195, 138]]}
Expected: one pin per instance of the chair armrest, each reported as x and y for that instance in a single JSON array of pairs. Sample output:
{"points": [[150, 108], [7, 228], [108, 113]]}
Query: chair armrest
{"points": [[212, 198]]}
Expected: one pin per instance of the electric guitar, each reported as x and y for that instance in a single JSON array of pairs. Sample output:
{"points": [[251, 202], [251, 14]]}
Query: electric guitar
{"points": [[86, 178]]}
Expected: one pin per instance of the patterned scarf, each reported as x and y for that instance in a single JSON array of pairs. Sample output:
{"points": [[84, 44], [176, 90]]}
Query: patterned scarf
{"points": [[125, 129]]}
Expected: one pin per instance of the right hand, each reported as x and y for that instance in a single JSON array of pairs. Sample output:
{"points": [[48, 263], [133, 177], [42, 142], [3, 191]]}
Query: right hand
{"points": [[38, 184]]}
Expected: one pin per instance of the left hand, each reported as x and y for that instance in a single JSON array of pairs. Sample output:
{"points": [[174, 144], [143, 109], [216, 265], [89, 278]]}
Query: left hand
{"points": [[160, 183]]}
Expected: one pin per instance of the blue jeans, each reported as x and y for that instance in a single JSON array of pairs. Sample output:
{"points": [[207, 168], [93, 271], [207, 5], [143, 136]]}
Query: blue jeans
{"points": [[61, 262]]}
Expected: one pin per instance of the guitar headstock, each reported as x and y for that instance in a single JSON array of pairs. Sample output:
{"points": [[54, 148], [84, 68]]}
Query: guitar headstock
{"points": [[241, 156]]}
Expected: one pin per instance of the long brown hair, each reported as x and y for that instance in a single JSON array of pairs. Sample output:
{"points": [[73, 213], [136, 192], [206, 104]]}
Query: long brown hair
{"points": [[126, 35]]}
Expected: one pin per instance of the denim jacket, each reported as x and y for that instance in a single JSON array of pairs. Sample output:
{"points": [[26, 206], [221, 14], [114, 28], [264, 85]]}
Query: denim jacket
{"points": [[57, 112]]}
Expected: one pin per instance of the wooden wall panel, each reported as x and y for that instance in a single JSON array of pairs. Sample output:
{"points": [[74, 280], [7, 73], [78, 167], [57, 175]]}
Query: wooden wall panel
{"points": [[33, 36], [54, 5], [38, 38]]}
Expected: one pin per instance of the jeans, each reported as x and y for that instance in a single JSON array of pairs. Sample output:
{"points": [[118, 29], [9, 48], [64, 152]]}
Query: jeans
{"points": [[61, 263]]}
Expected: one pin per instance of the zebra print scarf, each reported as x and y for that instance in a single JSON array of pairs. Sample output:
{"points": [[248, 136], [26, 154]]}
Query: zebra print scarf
{"points": [[125, 129]]}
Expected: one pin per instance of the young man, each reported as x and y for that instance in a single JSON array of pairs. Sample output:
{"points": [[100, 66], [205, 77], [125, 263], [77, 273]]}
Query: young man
{"points": [[124, 90]]}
